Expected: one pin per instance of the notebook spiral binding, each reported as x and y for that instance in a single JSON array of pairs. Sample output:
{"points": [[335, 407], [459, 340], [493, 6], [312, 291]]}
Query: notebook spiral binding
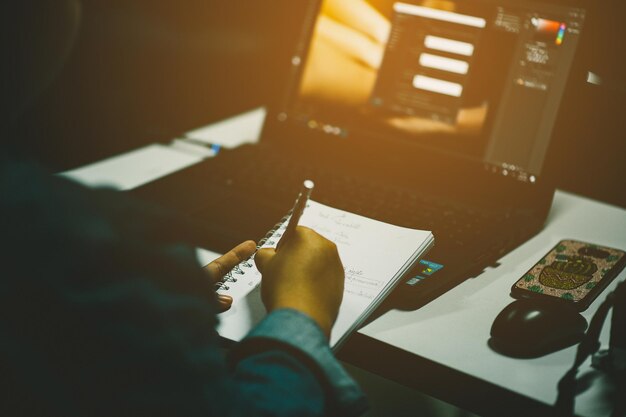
{"points": [[230, 277]]}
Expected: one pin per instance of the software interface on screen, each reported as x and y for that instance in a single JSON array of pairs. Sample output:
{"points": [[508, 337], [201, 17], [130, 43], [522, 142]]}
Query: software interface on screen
{"points": [[479, 79]]}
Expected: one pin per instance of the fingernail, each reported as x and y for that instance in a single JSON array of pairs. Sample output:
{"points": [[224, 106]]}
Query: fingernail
{"points": [[225, 298]]}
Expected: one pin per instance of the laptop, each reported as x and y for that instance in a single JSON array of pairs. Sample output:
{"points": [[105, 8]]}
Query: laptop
{"points": [[431, 114]]}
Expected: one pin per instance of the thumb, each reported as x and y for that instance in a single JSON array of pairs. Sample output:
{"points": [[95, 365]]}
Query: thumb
{"points": [[263, 257]]}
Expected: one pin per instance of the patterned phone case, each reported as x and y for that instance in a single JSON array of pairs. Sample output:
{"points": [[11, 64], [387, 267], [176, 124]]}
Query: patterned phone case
{"points": [[574, 272]]}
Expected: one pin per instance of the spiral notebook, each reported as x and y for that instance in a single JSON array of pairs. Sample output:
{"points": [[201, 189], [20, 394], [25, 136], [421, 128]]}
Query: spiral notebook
{"points": [[375, 256]]}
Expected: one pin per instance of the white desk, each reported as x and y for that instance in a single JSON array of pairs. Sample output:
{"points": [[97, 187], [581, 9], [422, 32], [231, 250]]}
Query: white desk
{"points": [[453, 329]]}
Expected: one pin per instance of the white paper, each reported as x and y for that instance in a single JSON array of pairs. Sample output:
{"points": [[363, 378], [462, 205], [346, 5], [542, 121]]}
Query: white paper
{"points": [[133, 168], [234, 131], [374, 255]]}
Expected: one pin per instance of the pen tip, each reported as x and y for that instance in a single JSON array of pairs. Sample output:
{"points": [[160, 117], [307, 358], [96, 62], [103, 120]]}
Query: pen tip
{"points": [[308, 184]]}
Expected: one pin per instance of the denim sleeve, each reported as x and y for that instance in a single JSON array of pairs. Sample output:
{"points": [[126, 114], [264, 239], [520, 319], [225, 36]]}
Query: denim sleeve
{"points": [[289, 346], [114, 317]]}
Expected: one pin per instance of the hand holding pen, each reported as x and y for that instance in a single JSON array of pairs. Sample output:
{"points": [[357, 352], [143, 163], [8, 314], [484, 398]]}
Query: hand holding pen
{"points": [[217, 268], [296, 212], [304, 272]]}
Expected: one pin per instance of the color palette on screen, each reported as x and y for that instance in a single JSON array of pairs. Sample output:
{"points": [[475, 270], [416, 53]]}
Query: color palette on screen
{"points": [[549, 31], [561, 34]]}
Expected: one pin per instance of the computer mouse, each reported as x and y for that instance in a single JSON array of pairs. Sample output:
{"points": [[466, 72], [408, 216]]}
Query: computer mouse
{"points": [[530, 328]]}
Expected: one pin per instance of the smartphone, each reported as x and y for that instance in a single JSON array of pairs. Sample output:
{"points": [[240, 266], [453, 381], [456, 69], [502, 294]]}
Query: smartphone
{"points": [[573, 272]]}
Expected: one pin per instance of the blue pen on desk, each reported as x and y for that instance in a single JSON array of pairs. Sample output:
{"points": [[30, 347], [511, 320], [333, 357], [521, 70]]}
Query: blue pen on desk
{"points": [[296, 212], [213, 146]]}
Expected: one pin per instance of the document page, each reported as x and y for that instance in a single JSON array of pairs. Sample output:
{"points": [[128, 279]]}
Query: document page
{"points": [[374, 255]]}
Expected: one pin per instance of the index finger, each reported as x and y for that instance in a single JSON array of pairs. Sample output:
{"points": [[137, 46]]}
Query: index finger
{"points": [[361, 16], [222, 265]]}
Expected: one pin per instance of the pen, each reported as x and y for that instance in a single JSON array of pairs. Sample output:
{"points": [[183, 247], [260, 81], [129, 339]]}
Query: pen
{"points": [[296, 212], [195, 146]]}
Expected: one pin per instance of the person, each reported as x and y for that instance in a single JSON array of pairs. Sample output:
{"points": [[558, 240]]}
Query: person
{"points": [[104, 309]]}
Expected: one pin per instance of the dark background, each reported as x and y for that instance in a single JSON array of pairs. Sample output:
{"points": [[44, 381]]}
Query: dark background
{"points": [[144, 71]]}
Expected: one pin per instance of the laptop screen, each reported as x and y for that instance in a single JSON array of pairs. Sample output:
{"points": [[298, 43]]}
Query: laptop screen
{"points": [[480, 80]]}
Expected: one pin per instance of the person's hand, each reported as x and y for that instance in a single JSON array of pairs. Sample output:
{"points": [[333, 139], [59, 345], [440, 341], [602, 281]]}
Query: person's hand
{"points": [[306, 274], [347, 50], [222, 265], [360, 16]]}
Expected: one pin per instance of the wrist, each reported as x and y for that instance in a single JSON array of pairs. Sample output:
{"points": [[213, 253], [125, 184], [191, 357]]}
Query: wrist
{"points": [[323, 321]]}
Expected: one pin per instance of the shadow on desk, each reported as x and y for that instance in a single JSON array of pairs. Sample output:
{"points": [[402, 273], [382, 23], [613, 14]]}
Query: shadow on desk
{"points": [[421, 374], [387, 398]]}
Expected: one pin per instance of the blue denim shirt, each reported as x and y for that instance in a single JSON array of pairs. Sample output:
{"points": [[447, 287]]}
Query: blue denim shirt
{"points": [[299, 335]]}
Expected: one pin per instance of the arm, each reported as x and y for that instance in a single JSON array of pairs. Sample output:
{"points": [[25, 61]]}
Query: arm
{"points": [[106, 313], [302, 289], [297, 342]]}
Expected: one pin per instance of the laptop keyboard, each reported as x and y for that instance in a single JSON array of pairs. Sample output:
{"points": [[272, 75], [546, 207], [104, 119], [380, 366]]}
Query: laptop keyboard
{"points": [[457, 224]]}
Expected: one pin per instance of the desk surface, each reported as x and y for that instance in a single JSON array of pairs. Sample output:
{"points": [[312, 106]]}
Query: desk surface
{"points": [[449, 335], [453, 329]]}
